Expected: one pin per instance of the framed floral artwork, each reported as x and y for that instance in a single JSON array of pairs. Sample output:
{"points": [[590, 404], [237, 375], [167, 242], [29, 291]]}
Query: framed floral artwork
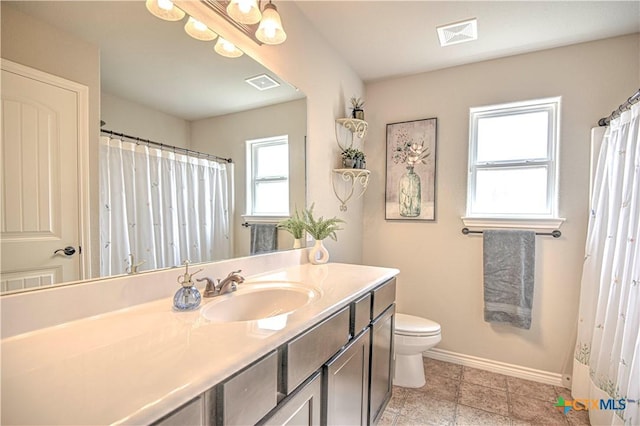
{"points": [[411, 170]]}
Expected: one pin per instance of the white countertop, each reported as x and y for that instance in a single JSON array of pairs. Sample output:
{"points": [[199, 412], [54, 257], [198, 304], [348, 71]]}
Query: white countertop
{"points": [[135, 365]]}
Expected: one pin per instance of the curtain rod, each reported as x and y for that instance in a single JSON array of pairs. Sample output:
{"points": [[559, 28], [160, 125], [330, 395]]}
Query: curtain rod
{"points": [[168, 147], [624, 106], [555, 233]]}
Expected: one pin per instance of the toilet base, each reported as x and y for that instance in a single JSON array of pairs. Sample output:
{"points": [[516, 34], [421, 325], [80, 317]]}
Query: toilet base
{"points": [[409, 371]]}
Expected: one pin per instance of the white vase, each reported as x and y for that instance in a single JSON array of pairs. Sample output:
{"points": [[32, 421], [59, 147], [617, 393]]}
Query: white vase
{"points": [[318, 254], [297, 243]]}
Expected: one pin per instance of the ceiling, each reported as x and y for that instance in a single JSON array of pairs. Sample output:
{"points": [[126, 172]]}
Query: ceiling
{"points": [[155, 63], [382, 39]]}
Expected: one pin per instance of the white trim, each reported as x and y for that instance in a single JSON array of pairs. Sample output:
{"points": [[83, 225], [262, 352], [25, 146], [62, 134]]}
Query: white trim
{"points": [[551, 161], [84, 206], [521, 372], [488, 222]]}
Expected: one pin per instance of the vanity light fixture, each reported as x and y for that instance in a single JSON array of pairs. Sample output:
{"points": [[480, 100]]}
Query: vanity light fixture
{"points": [[227, 49], [262, 82], [198, 30], [164, 9], [458, 32], [270, 30], [244, 11]]}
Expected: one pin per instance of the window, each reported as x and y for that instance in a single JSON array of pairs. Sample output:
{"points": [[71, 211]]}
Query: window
{"points": [[513, 161], [268, 177]]}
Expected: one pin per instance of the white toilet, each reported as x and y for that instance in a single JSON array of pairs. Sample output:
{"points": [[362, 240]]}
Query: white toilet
{"points": [[412, 336]]}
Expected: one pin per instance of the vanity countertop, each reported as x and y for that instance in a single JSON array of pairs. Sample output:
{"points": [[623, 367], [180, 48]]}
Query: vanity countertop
{"points": [[137, 364]]}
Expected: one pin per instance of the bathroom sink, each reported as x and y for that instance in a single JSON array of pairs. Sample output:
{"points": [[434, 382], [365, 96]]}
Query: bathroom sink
{"points": [[259, 300]]}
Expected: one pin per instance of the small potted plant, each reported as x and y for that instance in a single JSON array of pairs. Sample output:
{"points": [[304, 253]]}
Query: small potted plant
{"points": [[295, 225], [356, 108], [320, 229], [352, 158], [360, 160]]}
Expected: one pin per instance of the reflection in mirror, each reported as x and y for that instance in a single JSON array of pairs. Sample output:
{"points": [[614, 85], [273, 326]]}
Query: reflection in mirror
{"points": [[155, 83]]}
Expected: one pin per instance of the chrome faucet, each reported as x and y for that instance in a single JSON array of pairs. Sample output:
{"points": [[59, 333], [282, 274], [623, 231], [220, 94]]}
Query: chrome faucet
{"points": [[225, 285]]}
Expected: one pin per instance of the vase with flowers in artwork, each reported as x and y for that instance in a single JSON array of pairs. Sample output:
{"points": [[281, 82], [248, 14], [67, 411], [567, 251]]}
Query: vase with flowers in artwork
{"points": [[409, 197], [411, 153]]}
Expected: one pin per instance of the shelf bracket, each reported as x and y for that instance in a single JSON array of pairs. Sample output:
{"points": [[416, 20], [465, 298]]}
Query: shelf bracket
{"points": [[354, 182]]}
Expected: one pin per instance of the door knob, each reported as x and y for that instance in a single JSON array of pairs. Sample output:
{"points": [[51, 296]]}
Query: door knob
{"points": [[68, 251]]}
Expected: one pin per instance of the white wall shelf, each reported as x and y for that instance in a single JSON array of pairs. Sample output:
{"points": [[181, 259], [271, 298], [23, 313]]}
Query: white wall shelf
{"points": [[349, 128], [349, 182]]}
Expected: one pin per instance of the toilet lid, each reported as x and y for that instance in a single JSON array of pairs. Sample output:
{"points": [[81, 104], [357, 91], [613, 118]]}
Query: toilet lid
{"points": [[410, 325]]}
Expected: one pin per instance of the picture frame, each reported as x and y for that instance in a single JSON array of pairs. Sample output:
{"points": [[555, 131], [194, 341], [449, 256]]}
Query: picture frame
{"points": [[410, 180]]}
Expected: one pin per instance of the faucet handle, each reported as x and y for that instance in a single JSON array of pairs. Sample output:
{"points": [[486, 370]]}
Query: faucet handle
{"points": [[240, 279], [133, 267]]}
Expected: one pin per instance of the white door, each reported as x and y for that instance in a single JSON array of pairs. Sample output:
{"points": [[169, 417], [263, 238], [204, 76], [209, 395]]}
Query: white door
{"points": [[39, 172]]}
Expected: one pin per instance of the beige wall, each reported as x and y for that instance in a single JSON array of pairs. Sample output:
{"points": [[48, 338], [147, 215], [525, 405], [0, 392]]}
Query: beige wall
{"points": [[226, 135], [441, 270], [124, 116], [38, 45], [306, 61]]}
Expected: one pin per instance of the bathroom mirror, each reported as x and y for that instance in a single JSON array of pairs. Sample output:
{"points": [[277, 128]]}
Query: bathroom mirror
{"points": [[153, 67]]}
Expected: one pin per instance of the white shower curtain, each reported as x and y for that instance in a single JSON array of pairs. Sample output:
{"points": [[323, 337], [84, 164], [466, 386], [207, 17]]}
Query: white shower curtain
{"points": [[162, 207], [607, 356]]}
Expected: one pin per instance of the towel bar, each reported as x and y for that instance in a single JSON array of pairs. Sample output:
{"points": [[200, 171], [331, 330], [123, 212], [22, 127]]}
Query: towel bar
{"points": [[555, 233], [247, 224]]}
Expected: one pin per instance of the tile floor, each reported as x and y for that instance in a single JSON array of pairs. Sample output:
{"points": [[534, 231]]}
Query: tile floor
{"points": [[457, 395]]}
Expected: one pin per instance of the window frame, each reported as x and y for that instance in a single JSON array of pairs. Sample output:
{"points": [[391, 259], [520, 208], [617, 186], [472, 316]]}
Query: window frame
{"points": [[252, 146], [550, 217]]}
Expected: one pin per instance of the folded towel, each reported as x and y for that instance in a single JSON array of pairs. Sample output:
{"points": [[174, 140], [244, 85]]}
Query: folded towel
{"points": [[264, 237], [509, 264]]}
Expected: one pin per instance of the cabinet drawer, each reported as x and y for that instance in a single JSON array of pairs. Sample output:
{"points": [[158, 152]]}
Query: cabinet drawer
{"points": [[360, 314], [189, 414], [307, 352], [249, 395], [383, 297]]}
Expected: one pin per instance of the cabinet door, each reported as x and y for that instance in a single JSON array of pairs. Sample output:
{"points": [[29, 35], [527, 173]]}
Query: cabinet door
{"points": [[346, 384], [302, 408], [381, 363]]}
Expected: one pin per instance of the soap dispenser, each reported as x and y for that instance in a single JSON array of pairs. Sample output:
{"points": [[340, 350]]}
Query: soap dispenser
{"points": [[188, 297]]}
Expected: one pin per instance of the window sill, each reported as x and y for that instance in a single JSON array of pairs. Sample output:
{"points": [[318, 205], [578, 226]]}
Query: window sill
{"points": [[263, 219], [502, 222]]}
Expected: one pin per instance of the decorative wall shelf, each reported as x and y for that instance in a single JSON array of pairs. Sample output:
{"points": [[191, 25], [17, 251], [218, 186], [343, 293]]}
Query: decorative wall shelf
{"points": [[354, 129], [352, 182]]}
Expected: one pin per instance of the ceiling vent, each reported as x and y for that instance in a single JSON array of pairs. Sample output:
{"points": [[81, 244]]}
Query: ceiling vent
{"points": [[458, 32], [262, 82]]}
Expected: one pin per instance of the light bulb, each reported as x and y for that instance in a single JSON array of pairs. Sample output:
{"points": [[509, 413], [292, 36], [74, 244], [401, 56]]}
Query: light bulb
{"points": [[244, 11], [198, 30], [164, 9], [227, 49], [270, 30]]}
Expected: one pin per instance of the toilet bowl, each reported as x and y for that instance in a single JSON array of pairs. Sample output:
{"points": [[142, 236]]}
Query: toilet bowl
{"points": [[412, 336]]}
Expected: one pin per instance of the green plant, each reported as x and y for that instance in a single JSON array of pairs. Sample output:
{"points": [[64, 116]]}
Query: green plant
{"points": [[357, 103], [352, 153], [295, 225], [321, 228]]}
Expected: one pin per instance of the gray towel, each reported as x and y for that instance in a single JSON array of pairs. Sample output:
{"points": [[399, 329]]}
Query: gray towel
{"points": [[264, 237], [509, 264]]}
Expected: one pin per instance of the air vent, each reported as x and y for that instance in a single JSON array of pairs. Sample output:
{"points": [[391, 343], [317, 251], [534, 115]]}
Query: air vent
{"points": [[262, 82], [458, 32]]}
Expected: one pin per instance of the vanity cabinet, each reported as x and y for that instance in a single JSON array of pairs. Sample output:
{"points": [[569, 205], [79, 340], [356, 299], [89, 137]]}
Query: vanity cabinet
{"points": [[337, 372]]}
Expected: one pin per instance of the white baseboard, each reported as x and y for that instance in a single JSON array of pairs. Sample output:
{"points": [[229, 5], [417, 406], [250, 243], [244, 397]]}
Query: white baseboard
{"points": [[554, 379]]}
